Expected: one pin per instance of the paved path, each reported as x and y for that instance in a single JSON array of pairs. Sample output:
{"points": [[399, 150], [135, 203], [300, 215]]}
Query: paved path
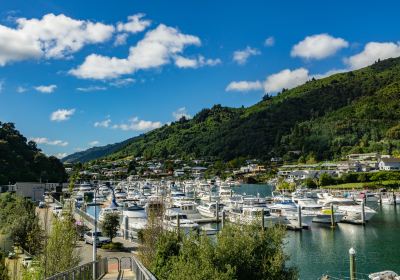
{"points": [[123, 275]]}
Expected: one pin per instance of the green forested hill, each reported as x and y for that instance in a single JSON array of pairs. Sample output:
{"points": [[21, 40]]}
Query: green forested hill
{"points": [[23, 161], [356, 111]]}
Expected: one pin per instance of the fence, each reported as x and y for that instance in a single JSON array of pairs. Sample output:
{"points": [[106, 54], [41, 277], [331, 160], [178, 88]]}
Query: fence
{"points": [[140, 271], [83, 272]]}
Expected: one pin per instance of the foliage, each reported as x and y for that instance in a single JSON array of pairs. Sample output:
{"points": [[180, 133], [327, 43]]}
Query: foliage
{"points": [[21, 160], [60, 253], [3, 268], [113, 246], [239, 252], [19, 220], [110, 225], [322, 119], [310, 183]]}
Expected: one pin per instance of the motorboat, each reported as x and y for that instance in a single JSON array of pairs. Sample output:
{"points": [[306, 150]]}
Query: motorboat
{"points": [[309, 205], [251, 215], [170, 221], [209, 209]]}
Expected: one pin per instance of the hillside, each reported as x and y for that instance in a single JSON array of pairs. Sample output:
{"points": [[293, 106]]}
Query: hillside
{"points": [[95, 152], [23, 161], [356, 111]]}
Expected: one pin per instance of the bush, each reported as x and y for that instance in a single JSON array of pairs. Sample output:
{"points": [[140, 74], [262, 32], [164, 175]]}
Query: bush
{"points": [[117, 246]]}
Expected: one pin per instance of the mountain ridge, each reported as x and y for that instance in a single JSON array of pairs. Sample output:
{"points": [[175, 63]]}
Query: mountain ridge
{"points": [[312, 118]]}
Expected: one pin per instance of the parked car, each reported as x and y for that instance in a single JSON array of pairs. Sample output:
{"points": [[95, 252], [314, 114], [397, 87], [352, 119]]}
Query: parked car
{"points": [[100, 240], [42, 204]]}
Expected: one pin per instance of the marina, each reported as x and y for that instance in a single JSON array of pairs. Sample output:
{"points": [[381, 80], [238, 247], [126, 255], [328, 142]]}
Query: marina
{"points": [[319, 249]]}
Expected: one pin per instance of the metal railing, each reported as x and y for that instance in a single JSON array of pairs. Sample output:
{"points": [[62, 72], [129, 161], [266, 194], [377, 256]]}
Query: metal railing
{"points": [[83, 272], [140, 271]]}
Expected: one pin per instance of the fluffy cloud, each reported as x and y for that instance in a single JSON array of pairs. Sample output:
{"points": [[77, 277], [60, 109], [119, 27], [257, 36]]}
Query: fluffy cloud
{"points": [[46, 141], [181, 112], [91, 88], [269, 42], [244, 86], [94, 143], [286, 79], [241, 56], [318, 46], [135, 124], [183, 62], [46, 89], [135, 24], [120, 39], [21, 89], [156, 49], [52, 36], [62, 115], [105, 123], [372, 52]]}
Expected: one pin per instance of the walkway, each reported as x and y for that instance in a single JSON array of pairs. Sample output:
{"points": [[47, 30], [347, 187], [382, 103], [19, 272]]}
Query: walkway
{"points": [[125, 274]]}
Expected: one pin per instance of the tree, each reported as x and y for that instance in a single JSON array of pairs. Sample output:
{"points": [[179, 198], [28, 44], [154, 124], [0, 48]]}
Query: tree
{"points": [[3, 268], [325, 179], [310, 183], [239, 252], [60, 253], [110, 225]]}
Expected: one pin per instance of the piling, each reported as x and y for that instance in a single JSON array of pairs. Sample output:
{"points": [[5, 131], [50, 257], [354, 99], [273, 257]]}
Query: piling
{"points": [[332, 217], [231, 192], [380, 197], [223, 219], [178, 224], [126, 225], [299, 217], [394, 199], [352, 254], [262, 219], [217, 214], [363, 213]]}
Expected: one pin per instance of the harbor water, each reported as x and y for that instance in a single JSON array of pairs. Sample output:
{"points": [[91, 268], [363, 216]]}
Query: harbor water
{"points": [[321, 250]]}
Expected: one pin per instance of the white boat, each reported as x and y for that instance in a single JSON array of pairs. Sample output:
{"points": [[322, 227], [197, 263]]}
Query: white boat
{"points": [[251, 215], [85, 187], [287, 212], [170, 221], [390, 200], [208, 209], [106, 211], [351, 209], [309, 205]]}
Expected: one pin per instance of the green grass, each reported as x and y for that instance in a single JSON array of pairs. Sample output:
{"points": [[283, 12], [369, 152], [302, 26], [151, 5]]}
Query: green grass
{"points": [[369, 185]]}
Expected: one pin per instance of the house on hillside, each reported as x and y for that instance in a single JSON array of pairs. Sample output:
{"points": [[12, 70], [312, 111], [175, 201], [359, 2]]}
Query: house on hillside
{"points": [[389, 164]]}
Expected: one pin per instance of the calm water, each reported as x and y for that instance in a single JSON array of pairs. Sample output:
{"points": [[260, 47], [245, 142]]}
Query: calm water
{"points": [[321, 250]]}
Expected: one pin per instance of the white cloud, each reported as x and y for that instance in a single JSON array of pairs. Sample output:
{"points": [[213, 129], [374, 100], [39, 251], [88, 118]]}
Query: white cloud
{"points": [[184, 62], [269, 42], [286, 79], [46, 141], [52, 36], [91, 88], [60, 155], [21, 89], [244, 86], [135, 124], [329, 73], [135, 24], [62, 115], [241, 56], [156, 49], [46, 89], [122, 82], [318, 46], [94, 143], [120, 39], [181, 112], [105, 123], [372, 52]]}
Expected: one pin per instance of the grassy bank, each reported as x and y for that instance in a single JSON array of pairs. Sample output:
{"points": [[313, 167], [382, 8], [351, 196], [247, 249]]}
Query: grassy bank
{"points": [[366, 185]]}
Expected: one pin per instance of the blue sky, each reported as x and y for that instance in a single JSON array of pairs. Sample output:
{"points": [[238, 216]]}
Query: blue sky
{"points": [[74, 74]]}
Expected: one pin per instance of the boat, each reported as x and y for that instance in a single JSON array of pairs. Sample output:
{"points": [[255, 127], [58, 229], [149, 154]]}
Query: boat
{"points": [[106, 211], [208, 209], [351, 209], [390, 200], [170, 221], [251, 215], [324, 216]]}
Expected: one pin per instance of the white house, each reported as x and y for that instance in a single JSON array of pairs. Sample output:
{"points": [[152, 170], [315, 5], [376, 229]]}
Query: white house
{"points": [[389, 164]]}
